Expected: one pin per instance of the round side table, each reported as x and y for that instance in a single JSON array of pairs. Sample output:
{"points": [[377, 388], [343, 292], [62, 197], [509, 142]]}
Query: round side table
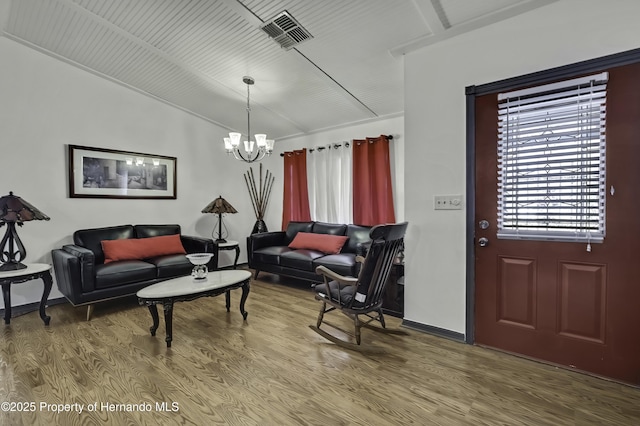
{"points": [[231, 245]]}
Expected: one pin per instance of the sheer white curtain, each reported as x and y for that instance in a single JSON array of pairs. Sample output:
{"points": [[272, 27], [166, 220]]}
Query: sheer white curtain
{"points": [[329, 180]]}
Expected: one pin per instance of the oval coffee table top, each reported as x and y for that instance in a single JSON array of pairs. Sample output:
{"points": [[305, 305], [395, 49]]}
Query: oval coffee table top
{"points": [[183, 286]]}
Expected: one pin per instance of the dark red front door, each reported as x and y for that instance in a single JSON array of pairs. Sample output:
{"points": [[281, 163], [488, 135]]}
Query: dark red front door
{"points": [[556, 301]]}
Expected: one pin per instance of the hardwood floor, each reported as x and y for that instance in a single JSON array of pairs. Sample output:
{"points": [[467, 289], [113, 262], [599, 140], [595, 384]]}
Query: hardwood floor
{"points": [[274, 370]]}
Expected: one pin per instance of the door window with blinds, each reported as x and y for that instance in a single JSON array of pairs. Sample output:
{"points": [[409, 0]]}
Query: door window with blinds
{"points": [[551, 161]]}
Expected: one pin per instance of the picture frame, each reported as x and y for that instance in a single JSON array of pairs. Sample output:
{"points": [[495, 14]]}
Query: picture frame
{"points": [[109, 173]]}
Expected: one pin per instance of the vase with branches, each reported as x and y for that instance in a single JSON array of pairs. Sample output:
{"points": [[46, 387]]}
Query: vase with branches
{"points": [[259, 193]]}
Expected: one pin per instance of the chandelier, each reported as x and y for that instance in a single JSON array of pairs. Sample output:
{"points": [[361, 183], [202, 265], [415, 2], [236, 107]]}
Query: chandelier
{"points": [[249, 151]]}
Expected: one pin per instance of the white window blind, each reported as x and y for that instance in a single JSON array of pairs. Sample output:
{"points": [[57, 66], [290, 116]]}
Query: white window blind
{"points": [[551, 161]]}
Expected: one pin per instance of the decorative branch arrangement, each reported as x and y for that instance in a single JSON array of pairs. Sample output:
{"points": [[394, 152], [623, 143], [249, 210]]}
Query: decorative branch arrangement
{"points": [[259, 195]]}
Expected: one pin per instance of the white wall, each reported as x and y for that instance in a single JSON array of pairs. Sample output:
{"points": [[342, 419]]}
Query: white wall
{"points": [[435, 79], [47, 104], [385, 126]]}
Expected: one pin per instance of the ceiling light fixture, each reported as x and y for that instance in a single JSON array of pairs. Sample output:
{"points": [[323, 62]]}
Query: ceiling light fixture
{"points": [[250, 151]]}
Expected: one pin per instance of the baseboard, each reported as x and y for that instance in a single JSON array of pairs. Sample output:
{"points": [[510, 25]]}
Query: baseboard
{"points": [[437, 331], [17, 311]]}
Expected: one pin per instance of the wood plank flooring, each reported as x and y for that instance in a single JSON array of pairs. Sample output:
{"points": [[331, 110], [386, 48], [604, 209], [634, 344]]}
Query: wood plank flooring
{"points": [[274, 370]]}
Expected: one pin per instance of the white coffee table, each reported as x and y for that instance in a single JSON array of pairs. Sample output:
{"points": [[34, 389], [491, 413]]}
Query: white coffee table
{"points": [[187, 288]]}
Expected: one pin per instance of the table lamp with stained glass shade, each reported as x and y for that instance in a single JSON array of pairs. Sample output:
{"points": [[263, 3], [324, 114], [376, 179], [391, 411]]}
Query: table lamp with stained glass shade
{"points": [[15, 211], [219, 206]]}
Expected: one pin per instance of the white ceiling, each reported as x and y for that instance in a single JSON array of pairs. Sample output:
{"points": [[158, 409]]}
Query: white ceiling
{"points": [[193, 53]]}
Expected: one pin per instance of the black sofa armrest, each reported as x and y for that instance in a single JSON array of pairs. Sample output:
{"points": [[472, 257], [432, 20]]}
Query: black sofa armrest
{"points": [[362, 249], [201, 245], [261, 240], [265, 239], [74, 267]]}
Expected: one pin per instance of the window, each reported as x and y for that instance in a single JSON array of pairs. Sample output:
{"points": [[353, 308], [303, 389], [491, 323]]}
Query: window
{"points": [[329, 179], [551, 161]]}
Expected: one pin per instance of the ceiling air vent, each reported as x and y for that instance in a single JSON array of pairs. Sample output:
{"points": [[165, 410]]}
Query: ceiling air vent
{"points": [[285, 30]]}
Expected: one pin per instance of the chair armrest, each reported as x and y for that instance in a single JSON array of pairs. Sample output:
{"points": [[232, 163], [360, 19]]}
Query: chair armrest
{"points": [[194, 244], [333, 276], [74, 267]]}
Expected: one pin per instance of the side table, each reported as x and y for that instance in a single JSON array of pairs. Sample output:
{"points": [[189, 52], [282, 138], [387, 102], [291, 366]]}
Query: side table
{"points": [[393, 299], [31, 272], [231, 245]]}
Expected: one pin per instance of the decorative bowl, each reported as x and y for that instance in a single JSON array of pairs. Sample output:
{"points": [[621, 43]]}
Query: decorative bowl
{"points": [[199, 261], [199, 258]]}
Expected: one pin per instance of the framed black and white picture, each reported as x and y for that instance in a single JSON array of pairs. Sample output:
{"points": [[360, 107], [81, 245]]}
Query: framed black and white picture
{"points": [[109, 173]]}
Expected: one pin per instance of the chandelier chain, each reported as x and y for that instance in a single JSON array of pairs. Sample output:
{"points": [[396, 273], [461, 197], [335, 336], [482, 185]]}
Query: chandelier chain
{"points": [[248, 113]]}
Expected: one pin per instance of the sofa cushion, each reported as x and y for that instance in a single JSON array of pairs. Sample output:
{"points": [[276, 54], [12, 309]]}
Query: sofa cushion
{"points": [[300, 259], [270, 255], [328, 244], [125, 272], [92, 238], [336, 291], [173, 265], [328, 228], [343, 263], [146, 231], [141, 248], [294, 227]]}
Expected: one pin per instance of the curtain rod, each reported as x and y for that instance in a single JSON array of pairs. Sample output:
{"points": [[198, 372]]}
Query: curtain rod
{"points": [[337, 145]]}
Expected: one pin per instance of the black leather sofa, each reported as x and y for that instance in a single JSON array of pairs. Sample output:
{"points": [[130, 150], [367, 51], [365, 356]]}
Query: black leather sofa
{"points": [[84, 278], [270, 251]]}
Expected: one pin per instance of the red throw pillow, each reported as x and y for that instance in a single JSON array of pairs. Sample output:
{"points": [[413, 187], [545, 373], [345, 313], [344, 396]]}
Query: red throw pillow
{"points": [[141, 248], [328, 244]]}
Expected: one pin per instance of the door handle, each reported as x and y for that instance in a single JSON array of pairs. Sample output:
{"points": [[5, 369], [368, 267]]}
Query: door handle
{"points": [[483, 242]]}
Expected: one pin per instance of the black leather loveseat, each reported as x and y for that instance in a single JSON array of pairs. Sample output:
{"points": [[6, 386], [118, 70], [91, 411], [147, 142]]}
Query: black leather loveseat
{"points": [[84, 276], [270, 251]]}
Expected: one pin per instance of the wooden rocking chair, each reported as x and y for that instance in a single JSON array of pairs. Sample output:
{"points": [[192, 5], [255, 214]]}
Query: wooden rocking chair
{"points": [[361, 295]]}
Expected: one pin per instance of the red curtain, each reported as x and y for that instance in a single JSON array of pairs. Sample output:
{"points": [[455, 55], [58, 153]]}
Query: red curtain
{"points": [[372, 189], [295, 203]]}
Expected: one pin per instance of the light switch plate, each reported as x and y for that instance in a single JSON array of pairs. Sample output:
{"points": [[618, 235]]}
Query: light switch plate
{"points": [[447, 202]]}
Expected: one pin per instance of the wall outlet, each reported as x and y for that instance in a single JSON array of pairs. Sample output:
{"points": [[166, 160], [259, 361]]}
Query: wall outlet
{"points": [[447, 202]]}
